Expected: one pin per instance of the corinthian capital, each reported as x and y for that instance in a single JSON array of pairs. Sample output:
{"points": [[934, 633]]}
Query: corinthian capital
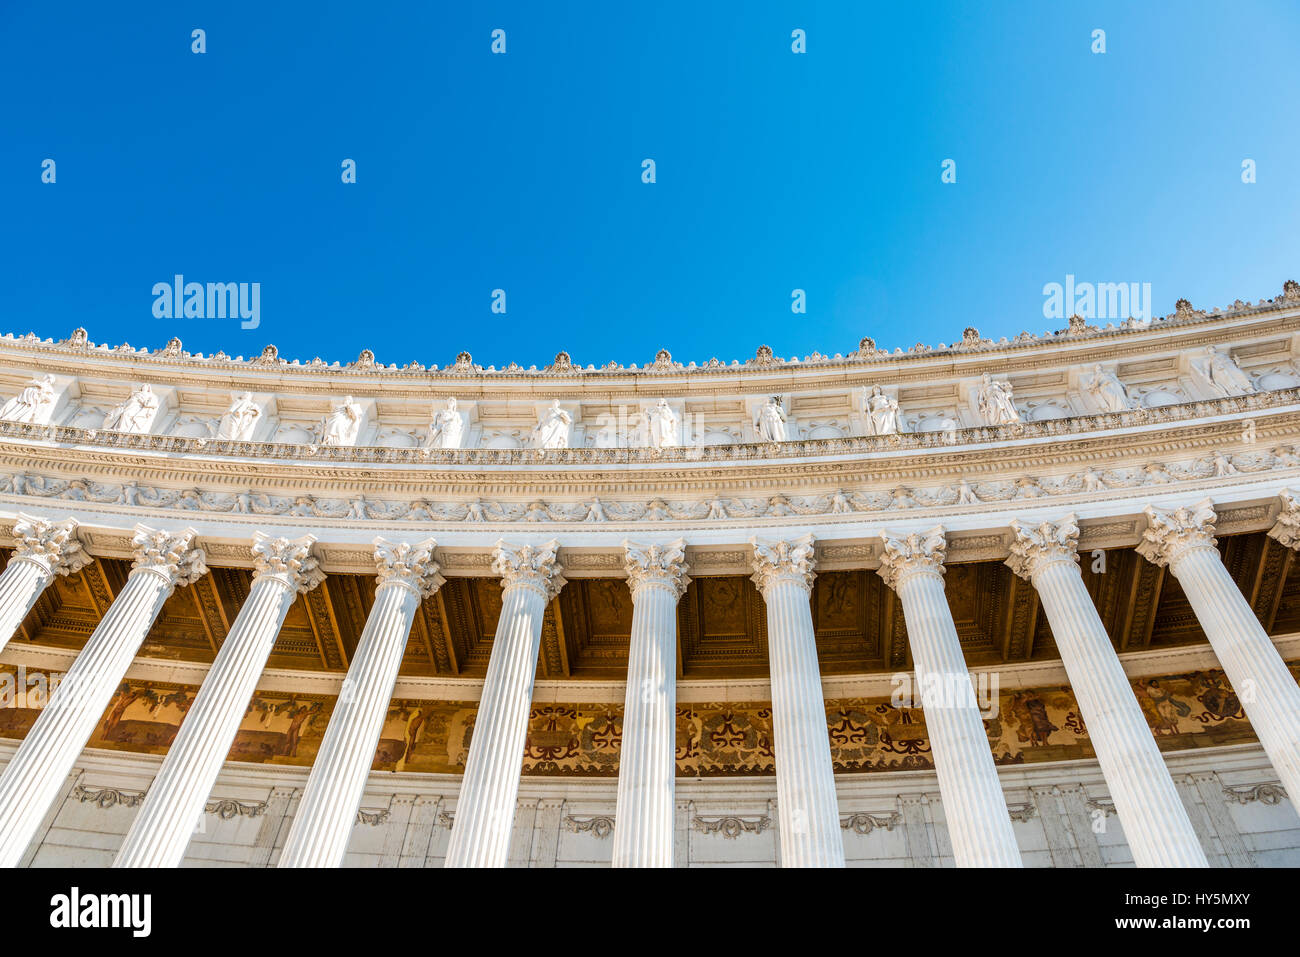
{"points": [[53, 546], [1172, 533], [907, 555], [288, 560], [532, 566], [1287, 527], [1037, 546], [170, 554], [776, 562], [657, 565], [409, 564]]}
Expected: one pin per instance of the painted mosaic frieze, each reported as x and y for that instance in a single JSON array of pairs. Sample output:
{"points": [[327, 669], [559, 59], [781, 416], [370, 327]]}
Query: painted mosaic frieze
{"points": [[1196, 709]]}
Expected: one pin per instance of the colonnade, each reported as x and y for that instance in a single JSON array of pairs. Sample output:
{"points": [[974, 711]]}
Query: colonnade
{"points": [[1153, 817]]}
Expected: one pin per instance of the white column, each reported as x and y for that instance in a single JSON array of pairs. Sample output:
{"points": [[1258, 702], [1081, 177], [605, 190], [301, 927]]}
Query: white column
{"points": [[485, 812], [1183, 539], [42, 550], [647, 757], [807, 810], [976, 810], [163, 560], [1155, 822], [161, 830], [323, 822]]}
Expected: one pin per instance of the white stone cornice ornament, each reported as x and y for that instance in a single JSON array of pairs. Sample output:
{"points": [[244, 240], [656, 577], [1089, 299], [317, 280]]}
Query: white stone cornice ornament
{"points": [[173, 555], [553, 429], [1172, 533], [882, 412], [661, 565], [784, 561], [770, 422], [1034, 547], [341, 426], [1286, 529], [239, 421], [1107, 391], [288, 560], [1222, 374], [134, 416], [531, 566], [661, 426], [33, 404], [447, 429], [54, 546], [995, 402], [409, 564], [915, 553]]}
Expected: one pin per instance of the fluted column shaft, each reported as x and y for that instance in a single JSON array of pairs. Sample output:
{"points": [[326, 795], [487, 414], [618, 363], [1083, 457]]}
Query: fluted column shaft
{"points": [[1182, 539], [47, 754], [43, 549], [1155, 821], [485, 810], [647, 757], [973, 803], [1266, 688], [162, 829], [807, 808], [323, 822]]}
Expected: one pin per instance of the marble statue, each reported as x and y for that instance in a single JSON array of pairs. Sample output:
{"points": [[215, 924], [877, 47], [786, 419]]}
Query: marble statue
{"points": [[770, 421], [341, 426], [995, 402], [661, 424], [34, 404], [240, 419], [1108, 392], [882, 412], [136, 414], [1223, 374], [447, 428], [552, 432]]}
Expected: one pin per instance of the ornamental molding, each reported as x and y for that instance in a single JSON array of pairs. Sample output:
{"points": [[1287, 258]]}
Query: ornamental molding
{"points": [[107, 797], [229, 808], [863, 822], [731, 826], [1269, 793], [599, 826], [1190, 325]]}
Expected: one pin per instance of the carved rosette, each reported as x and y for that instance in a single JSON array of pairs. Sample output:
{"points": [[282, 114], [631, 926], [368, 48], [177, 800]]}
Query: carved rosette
{"points": [[662, 565], [408, 564], [288, 560], [784, 561], [908, 555], [529, 566], [1036, 547], [1172, 533], [173, 555], [1287, 527], [53, 546]]}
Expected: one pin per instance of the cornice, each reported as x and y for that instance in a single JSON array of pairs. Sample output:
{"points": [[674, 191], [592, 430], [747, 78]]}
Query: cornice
{"points": [[974, 354]]}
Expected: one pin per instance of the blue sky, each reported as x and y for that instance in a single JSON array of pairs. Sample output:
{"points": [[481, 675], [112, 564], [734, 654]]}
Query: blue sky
{"points": [[522, 171]]}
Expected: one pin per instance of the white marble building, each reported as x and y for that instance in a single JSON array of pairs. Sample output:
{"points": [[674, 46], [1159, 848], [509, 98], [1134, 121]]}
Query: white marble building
{"points": [[1152, 445]]}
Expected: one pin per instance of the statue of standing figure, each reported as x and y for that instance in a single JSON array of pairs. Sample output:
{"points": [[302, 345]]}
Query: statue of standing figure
{"points": [[136, 414], [34, 404], [341, 426], [770, 421], [240, 419], [995, 402], [1223, 374], [1108, 392], [552, 431], [661, 424], [882, 412], [447, 428]]}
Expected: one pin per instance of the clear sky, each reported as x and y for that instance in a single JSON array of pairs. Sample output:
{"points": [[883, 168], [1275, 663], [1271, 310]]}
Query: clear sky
{"points": [[775, 171]]}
